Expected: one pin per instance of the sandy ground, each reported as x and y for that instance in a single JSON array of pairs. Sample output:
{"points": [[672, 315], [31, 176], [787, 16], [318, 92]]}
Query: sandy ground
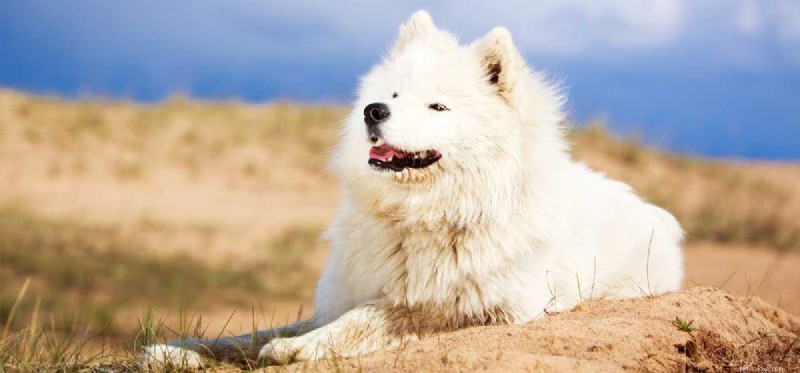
{"points": [[732, 334], [221, 215], [772, 275], [219, 220], [240, 218]]}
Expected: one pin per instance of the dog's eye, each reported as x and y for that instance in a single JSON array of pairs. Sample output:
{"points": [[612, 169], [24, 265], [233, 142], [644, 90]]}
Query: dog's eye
{"points": [[394, 95], [437, 107]]}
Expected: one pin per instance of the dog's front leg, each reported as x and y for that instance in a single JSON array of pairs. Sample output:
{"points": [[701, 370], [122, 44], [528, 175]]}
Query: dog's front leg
{"points": [[190, 353], [362, 330]]}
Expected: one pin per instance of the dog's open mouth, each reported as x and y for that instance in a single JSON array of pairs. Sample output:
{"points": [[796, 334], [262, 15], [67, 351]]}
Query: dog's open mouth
{"points": [[387, 157]]}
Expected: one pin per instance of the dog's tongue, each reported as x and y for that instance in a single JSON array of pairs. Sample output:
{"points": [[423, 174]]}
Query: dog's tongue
{"points": [[383, 152]]}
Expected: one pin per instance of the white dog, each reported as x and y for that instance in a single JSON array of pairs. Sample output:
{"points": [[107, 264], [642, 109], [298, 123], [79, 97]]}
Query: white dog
{"points": [[461, 206]]}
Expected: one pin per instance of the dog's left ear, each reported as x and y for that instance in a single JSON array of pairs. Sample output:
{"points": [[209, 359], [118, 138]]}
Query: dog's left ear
{"points": [[501, 61]]}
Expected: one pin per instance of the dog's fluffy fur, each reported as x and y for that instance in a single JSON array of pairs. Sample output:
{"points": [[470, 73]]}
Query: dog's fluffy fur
{"points": [[504, 228]]}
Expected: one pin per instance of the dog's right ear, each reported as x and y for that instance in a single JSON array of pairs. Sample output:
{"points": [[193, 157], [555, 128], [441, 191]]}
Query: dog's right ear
{"points": [[501, 61], [420, 24]]}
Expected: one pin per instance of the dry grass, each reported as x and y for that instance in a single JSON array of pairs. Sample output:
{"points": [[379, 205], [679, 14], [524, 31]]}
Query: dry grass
{"points": [[65, 285], [88, 273], [287, 261], [714, 200], [39, 345], [94, 268]]}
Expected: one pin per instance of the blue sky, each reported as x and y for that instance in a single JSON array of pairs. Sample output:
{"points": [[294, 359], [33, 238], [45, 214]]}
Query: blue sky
{"points": [[717, 77]]}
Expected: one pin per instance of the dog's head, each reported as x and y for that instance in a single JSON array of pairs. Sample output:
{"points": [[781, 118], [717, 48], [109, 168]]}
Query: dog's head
{"points": [[434, 109]]}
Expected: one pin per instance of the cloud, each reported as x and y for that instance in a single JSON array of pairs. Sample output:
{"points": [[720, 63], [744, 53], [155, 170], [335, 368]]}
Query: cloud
{"points": [[749, 19], [160, 46], [682, 66], [788, 16], [576, 27]]}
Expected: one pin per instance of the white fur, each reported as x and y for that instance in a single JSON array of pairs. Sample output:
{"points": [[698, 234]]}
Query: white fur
{"points": [[504, 228], [161, 357]]}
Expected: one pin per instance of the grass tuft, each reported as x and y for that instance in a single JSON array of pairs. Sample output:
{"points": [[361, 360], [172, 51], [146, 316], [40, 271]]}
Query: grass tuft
{"points": [[683, 325]]}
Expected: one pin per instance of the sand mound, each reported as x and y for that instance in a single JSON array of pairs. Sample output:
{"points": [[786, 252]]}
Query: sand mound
{"points": [[732, 334]]}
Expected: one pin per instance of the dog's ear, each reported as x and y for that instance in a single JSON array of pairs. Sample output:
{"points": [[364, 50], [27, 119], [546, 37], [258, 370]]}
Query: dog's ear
{"points": [[420, 24], [501, 61]]}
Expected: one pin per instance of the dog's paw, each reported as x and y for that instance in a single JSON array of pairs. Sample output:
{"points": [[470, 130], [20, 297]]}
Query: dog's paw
{"points": [[287, 350], [157, 356]]}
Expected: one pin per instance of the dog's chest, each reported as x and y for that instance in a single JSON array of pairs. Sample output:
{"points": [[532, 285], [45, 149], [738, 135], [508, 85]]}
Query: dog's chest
{"points": [[440, 267]]}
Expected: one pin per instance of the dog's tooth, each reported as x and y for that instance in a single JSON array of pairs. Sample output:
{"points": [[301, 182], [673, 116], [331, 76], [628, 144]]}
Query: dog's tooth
{"points": [[391, 158], [380, 142], [423, 155]]}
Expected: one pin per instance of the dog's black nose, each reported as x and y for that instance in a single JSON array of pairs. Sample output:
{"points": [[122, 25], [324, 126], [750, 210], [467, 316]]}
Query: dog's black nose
{"points": [[375, 113]]}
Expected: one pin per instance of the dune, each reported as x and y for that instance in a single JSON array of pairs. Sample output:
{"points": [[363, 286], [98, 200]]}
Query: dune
{"points": [[727, 333]]}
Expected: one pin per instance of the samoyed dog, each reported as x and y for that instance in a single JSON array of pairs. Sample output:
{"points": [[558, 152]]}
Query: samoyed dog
{"points": [[461, 206]]}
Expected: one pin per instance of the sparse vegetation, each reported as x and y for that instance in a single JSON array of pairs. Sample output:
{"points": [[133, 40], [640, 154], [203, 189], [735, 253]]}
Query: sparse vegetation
{"points": [[41, 347], [91, 278], [683, 325], [287, 260], [64, 282], [86, 274], [713, 200]]}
